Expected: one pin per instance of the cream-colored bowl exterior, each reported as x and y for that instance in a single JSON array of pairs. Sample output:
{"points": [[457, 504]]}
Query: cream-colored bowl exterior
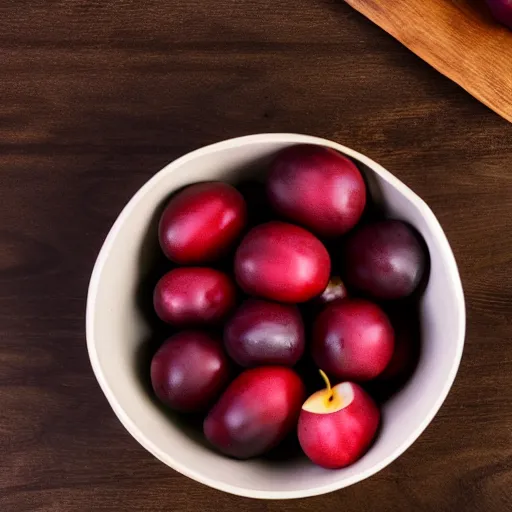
{"points": [[117, 329]]}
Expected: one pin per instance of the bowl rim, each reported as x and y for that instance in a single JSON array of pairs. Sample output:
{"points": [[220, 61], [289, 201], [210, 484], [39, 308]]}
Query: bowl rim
{"points": [[290, 138]]}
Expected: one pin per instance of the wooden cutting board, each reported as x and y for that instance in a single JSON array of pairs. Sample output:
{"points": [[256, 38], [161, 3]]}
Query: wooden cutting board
{"points": [[457, 37]]}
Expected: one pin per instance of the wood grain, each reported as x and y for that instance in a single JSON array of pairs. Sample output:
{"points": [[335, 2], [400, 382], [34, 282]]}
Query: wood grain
{"points": [[457, 37], [96, 96]]}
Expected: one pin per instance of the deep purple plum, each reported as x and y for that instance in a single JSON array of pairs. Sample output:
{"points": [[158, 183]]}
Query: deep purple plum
{"points": [[189, 371], [265, 333], [384, 260]]}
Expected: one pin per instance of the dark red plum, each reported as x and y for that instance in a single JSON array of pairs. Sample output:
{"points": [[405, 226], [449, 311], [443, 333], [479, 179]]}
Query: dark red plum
{"points": [[202, 222], [265, 333], [194, 295], [318, 188], [189, 371], [258, 409], [282, 262], [385, 260], [353, 339]]}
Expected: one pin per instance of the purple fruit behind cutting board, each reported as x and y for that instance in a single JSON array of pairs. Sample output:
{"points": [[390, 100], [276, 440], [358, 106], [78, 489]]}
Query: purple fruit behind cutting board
{"points": [[502, 11]]}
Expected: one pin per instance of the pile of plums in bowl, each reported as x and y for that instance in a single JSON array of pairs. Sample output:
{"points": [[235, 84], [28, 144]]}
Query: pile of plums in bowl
{"points": [[306, 268], [313, 300]]}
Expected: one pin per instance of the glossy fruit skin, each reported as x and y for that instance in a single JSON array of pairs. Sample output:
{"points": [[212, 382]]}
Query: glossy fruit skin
{"points": [[335, 440], [502, 11], [258, 409], [265, 333], [282, 262], [318, 188], [189, 371], [353, 339], [384, 260], [202, 222], [194, 295]]}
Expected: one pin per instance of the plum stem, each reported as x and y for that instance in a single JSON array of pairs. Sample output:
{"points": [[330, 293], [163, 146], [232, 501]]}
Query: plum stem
{"points": [[327, 384]]}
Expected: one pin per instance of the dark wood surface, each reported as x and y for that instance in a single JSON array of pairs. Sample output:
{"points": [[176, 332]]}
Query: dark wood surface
{"points": [[96, 96]]}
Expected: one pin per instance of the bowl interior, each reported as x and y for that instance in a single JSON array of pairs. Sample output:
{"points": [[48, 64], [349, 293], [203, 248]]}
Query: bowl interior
{"points": [[121, 334]]}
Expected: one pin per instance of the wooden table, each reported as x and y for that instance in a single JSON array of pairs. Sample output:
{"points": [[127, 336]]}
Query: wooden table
{"points": [[96, 96]]}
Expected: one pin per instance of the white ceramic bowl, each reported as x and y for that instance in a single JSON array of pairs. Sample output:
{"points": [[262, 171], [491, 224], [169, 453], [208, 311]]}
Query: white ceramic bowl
{"points": [[117, 329]]}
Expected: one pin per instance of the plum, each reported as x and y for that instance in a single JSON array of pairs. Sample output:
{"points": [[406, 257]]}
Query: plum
{"points": [[202, 222], [318, 188], [282, 262], [194, 295], [352, 339], [385, 260], [189, 371], [502, 11], [265, 333], [258, 409]]}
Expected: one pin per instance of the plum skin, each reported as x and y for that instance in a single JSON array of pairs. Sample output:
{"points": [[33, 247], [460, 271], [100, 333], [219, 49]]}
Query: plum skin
{"points": [[194, 295], [317, 187], [353, 339], [257, 410], [265, 333], [189, 371], [282, 262], [201, 223], [384, 259]]}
